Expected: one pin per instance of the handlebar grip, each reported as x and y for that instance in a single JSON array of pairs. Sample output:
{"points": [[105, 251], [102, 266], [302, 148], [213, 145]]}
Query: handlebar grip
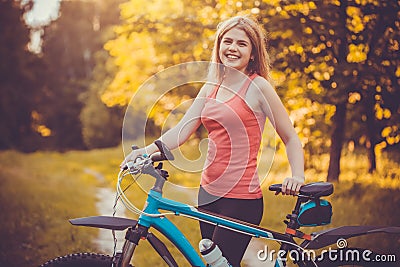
{"points": [[158, 157], [165, 152], [276, 188]]}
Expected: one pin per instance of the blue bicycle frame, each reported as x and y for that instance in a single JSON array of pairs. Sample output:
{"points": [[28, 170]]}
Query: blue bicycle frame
{"points": [[155, 201]]}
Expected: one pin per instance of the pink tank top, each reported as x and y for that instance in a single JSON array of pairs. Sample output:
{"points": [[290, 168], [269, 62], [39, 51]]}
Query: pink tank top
{"points": [[234, 133]]}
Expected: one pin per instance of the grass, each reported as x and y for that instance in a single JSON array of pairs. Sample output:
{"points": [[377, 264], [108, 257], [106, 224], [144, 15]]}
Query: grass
{"points": [[39, 192]]}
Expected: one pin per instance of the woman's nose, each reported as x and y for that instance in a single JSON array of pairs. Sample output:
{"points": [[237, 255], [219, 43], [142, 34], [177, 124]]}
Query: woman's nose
{"points": [[232, 47]]}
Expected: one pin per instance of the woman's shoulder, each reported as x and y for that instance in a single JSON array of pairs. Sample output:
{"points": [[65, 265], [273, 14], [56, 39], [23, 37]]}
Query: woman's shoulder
{"points": [[262, 85], [261, 82], [207, 89]]}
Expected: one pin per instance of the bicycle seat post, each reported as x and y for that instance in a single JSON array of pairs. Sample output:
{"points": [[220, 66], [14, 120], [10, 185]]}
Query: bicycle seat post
{"points": [[292, 223], [291, 227]]}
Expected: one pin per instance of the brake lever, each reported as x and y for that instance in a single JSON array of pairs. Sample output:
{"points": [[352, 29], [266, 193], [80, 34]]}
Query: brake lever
{"points": [[138, 164], [150, 170]]}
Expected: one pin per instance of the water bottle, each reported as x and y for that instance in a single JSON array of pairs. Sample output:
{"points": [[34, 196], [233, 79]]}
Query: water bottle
{"points": [[212, 254]]}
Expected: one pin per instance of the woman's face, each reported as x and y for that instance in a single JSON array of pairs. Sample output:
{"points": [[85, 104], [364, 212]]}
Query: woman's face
{"points": [[235, 49]]}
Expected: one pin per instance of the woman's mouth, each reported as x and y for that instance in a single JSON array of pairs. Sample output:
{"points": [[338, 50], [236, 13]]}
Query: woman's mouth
{"points": [[230, 56]]}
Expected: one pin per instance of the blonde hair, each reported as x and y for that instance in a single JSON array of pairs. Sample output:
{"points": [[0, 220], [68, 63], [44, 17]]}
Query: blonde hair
{"points": [[261, 62]]}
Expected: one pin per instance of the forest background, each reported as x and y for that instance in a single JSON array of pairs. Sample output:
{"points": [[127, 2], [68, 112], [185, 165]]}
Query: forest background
{"points": [[66, 83]]}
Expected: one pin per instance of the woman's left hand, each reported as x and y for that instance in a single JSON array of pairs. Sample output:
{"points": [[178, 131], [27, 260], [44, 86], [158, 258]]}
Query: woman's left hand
{"points": [[291, 185]]}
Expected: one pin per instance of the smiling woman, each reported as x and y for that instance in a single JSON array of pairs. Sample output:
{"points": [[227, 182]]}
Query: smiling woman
{"points": [[235, 49], [233, 106]]}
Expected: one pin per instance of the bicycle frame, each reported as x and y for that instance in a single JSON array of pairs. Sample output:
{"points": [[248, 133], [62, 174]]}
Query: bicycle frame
{"points": [[155, 201]]}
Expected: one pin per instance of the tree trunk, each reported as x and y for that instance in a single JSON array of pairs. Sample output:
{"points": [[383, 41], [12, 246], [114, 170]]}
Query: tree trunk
{"points": [[371, 158], [371, 133], [337, 138]]}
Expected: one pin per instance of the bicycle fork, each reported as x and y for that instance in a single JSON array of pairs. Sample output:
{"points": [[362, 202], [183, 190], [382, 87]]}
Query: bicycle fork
{"points": [[132, 238]]}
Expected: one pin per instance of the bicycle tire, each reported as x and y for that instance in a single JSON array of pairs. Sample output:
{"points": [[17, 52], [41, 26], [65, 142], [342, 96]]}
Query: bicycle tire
{"points": [[354, 258], [80, 260]]}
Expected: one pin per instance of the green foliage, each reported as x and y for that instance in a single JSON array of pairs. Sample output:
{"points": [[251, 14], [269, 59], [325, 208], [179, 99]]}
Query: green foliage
{"points": [[68, 47], [100, 125], [68, 112]]}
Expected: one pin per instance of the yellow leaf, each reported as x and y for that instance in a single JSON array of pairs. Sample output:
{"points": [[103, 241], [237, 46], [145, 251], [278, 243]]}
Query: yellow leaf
{"points": [[308, 30], [354, 97], [357, 53], [378, 112], [387, 113], [386, 131], [136, 59]]}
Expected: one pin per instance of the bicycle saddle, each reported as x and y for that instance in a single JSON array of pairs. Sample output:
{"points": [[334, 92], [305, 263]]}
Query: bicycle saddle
{"points": [[318, 189]]}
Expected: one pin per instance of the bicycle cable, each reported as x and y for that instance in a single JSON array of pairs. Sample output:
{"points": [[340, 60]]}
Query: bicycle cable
{"points": [[128, 204]]}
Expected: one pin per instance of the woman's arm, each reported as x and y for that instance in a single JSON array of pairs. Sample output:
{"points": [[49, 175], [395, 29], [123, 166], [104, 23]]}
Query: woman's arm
{"points": [[272, 106], [181, 132]]}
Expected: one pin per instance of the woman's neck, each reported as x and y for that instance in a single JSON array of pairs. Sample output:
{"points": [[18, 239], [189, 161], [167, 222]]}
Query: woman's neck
{"points": [[232, 77]]}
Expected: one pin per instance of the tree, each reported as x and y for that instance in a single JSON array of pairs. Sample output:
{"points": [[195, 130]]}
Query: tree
{"points": [[19, 83], [328, 42], [321, 51], [68, 47], [377, 94], [101, 125]]}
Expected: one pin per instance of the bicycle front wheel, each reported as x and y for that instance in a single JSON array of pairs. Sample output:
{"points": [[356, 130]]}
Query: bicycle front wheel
{"points": [[354, 257], [80, 260]]}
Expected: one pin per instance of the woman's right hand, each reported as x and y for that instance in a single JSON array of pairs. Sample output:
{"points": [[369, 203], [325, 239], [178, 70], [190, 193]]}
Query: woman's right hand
{"points": [[131, 157], [150, 149]]}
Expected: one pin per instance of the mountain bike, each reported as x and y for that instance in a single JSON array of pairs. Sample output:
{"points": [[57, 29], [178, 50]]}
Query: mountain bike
{"points": [[310, 210]]}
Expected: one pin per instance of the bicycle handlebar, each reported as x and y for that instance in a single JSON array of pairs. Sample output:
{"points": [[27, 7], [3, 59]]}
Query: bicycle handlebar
{"points": [[143, 162], [276, 188], [165, 153]]}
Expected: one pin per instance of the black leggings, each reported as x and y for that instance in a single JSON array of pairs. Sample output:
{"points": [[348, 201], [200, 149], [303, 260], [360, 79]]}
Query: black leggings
{"points": [[232, 244]]}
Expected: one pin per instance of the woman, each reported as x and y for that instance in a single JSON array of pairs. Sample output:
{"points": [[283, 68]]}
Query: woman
{"points": [[234, 111]]}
